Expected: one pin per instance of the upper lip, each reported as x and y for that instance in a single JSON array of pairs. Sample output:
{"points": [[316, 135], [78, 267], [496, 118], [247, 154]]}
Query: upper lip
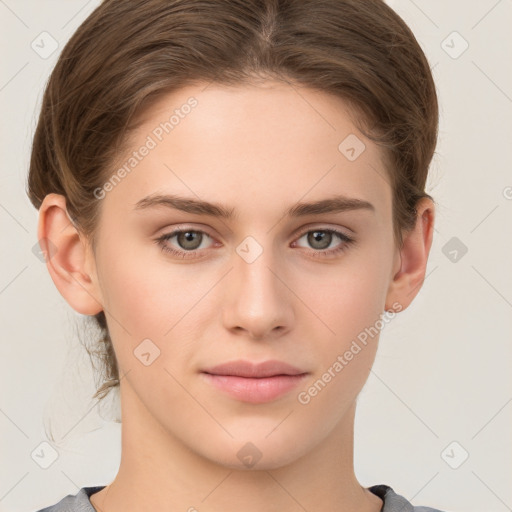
{"points": [[255, 370]]}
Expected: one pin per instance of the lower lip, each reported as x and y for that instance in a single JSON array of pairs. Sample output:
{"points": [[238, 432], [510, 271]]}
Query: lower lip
{"points": [[254, 390]]}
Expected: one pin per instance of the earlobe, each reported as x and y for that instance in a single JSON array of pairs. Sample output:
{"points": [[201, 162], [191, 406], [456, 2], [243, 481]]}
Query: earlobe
{"points": [[407, 282], [66, 256]]}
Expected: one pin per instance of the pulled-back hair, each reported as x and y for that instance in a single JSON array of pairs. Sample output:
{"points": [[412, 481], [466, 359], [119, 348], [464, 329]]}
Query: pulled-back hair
{"points": [[128, 53]]}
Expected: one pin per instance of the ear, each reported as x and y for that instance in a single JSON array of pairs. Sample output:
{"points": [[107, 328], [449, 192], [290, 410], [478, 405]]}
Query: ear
{"points": [[68, 257], [411, 262]]}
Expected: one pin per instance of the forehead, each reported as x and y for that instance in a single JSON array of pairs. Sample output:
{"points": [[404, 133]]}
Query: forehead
{"points": [[246, 145]]}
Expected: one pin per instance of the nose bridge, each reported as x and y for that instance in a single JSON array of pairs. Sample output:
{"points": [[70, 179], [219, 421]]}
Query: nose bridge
{"points": [[259, 303]]}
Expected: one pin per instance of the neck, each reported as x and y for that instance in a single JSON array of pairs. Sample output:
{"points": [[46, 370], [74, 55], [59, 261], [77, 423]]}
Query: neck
{"points": [[158, 472]]}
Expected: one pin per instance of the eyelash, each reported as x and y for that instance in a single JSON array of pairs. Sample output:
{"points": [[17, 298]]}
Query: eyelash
{"points": [[160, 241]]}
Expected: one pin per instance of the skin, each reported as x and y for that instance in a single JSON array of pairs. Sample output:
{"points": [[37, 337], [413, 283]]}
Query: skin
{"points": [[259, 149]]}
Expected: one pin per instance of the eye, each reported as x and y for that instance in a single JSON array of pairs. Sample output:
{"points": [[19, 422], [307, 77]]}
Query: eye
{"points": [[321, 239], [188, 241]]}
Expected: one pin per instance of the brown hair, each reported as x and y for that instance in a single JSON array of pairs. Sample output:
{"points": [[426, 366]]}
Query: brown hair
{"points": [[128, 53]]}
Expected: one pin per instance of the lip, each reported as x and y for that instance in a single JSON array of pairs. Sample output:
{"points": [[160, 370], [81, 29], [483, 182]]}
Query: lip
{"points": [[247, 369], [254, 382]]}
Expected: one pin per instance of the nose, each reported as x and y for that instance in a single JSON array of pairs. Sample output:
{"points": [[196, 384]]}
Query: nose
{"points": [[258, 302]]}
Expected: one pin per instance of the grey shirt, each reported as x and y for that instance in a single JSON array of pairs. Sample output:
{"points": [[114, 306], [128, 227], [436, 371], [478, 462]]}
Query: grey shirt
{"points": [[80, 502]]}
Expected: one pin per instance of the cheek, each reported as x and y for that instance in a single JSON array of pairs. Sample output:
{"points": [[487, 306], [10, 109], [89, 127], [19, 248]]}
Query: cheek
{"points": [[163, 302], [142, 302], [143, 292], [348, 303], [351, 308], [348, 297], [137, 301], [147, 313]]}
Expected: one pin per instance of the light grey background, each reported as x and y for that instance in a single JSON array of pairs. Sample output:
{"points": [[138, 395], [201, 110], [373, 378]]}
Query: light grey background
{"points": [[442, 373]]}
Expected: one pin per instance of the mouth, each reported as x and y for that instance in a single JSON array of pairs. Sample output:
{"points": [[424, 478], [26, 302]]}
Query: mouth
{"points": [[254, 383]]}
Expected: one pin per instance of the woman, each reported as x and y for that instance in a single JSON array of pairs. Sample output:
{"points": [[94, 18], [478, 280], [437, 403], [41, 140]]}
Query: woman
{"points": [[235, 191]]}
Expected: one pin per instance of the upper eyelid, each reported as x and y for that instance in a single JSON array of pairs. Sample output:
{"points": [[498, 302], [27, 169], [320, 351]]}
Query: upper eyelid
{"points": [[340, 230]]}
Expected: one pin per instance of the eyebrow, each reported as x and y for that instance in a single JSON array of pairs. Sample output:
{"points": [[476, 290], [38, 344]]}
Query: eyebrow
{"points": [[334, 204]]}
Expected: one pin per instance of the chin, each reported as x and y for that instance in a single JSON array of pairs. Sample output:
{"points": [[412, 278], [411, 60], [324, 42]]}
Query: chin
{"points": [[256, 453]]}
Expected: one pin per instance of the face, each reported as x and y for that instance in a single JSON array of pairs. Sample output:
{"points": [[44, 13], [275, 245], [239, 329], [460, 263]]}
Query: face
{"points": [[186, 289]]}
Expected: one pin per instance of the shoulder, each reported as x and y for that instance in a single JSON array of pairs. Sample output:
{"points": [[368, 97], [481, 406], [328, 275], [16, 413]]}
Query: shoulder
{"points": [[394, 502], [79, 502]]}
